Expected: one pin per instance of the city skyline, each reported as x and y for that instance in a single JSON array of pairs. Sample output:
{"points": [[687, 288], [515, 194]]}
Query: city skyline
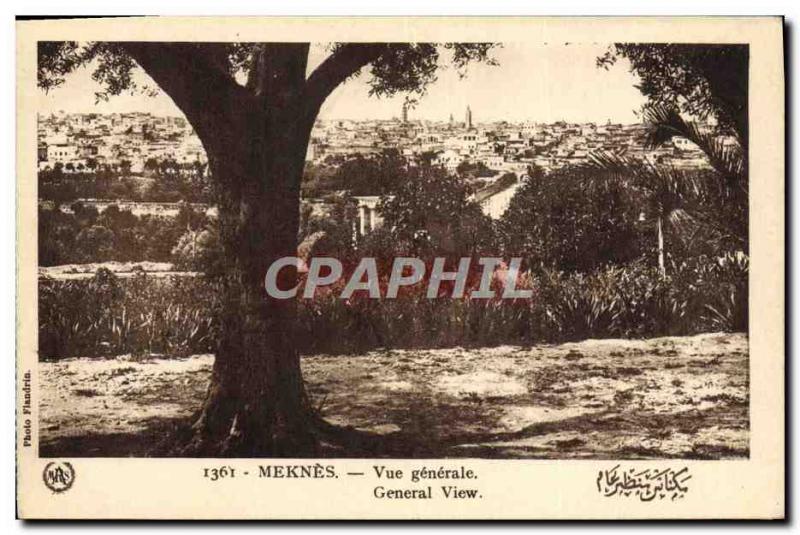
{"points": [[544, 83]]}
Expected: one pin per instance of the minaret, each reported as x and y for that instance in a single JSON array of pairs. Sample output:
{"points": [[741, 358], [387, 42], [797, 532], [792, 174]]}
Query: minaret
{"points": [[405, 112], [451, 121], [468, 119]]}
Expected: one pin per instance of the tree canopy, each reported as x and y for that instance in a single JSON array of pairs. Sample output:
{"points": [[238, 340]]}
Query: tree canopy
{"points": [[430, 211], [239, 67], [573, 219], [702, 80]]}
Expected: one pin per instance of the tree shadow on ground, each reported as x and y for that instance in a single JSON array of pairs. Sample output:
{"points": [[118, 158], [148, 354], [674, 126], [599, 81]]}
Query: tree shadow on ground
{"points": [[143, 443], [159, 434], [509, 445]]}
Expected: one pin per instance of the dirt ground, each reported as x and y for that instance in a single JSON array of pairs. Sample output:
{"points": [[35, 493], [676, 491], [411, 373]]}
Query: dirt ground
{"points": [[680, 397]]}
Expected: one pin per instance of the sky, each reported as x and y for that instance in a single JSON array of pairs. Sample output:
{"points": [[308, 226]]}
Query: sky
{"points": [[539, 83]]}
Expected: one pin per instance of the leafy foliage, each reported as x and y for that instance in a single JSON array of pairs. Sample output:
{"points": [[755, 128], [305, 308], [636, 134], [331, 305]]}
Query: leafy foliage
{"points": [[665, 123], [472, 170], [430, 212], [335, 230], [578, 227], [113, 67], [394, 68], [702, 80], [574, 219], [164, 181], [107, 315], [370, 175], [88, 236], [698, 204], [199, 249]]}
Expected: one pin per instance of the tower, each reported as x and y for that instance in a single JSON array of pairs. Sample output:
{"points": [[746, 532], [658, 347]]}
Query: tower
{"points": [[468, 119], [405, 112]]}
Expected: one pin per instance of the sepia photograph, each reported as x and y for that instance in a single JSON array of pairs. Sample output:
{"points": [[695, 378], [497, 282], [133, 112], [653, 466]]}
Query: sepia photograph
{"points": [[413, 262], [172, 175]]}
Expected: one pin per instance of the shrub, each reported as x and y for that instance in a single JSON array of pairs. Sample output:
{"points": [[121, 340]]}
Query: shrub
{"points": [[108, 315], [88, 236], [199, 250]]}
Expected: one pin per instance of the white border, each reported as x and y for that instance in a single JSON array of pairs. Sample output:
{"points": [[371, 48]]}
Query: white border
{"points": [[304, 7]]}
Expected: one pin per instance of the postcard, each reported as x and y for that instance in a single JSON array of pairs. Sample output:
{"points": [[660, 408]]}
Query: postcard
{"points": [[400, 268]]}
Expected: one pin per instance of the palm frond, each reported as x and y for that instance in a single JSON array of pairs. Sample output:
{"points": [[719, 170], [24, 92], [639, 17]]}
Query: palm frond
{"points": [[689, 201], [725, 155]]}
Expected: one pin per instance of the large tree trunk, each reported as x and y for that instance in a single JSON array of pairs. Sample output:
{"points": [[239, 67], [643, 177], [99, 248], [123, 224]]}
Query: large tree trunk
{"points": [[256, 139], [256, 403]]}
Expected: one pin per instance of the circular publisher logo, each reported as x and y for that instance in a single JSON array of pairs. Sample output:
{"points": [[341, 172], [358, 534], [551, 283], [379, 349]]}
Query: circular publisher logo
{"points": [[58, 476]]}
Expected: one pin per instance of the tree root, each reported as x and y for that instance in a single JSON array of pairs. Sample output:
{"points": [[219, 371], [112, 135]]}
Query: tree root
{"points": [[317, 438]]}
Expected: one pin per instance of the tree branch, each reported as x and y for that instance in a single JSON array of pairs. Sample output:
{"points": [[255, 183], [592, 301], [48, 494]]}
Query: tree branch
{"points": [[343, 63], [191, 75]]}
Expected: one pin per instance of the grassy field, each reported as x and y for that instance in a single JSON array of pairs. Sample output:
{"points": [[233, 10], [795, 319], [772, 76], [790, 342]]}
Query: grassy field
{"points": [[675, 397]]}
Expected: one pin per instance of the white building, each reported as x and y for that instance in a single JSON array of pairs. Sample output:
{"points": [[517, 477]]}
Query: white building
{"points": [[449, 159], [494, 161], [369, 218], [61, 152]]}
